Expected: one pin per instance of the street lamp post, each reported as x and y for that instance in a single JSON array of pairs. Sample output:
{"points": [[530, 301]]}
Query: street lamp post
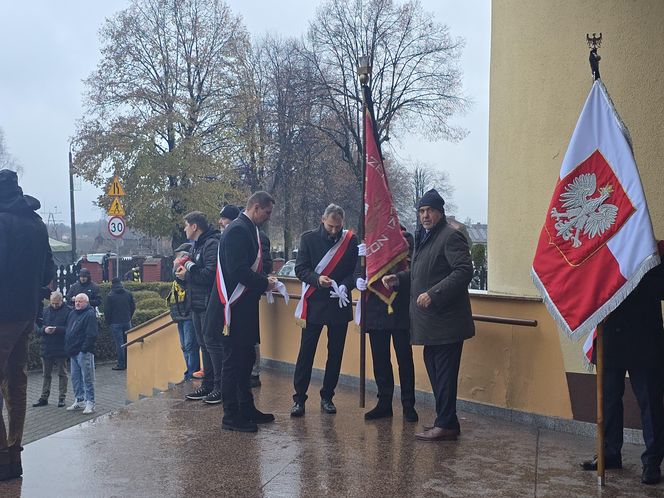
{"points": [[72, 210], [363, 74]]}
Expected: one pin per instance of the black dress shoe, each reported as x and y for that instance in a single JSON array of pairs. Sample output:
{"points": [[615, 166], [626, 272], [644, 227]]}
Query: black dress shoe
{"points": [[409, 414], [297, 410], [41, 402], [652, 474], [381, 411], [61, 403], [327, 406], [238, 424], [609, 463], [119, 368], [253, 414]]}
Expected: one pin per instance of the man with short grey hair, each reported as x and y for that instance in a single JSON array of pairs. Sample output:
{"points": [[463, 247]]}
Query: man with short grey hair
{"points": [[52, 333], [325, 264]]}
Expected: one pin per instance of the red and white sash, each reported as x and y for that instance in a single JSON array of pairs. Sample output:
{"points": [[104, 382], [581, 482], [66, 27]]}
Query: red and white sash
{"points": [[326, 265], [239, 290]]}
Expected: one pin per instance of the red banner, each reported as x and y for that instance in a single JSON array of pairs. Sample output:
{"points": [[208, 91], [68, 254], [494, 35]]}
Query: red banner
{"points": [[386, 246]]}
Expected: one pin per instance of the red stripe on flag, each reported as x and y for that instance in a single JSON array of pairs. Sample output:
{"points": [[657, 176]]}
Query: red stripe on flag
{"points": [[563, 280]]}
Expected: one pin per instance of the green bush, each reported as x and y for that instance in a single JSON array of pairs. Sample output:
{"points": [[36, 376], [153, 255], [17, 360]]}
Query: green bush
{"points": [[145, 294], [142, 316], [151, 304]]}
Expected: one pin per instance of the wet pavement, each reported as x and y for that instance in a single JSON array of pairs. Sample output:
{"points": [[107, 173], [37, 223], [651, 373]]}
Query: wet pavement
{"points": [[110, 394], [165, 446]]}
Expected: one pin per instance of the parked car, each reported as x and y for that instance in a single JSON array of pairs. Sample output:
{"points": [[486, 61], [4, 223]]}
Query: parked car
{"points": [[288, 270]]}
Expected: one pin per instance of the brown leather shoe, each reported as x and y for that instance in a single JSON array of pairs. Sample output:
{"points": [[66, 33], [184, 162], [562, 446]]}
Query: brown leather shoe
{"points": [[438, 434]]}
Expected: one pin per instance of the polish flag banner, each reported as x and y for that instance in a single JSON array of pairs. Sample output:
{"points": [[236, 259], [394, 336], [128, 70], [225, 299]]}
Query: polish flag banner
{"points": [[385, 244], [597, 241]]}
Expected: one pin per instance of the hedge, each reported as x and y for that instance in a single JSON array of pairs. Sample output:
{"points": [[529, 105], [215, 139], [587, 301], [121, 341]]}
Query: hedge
{"points": [[150, 303]]}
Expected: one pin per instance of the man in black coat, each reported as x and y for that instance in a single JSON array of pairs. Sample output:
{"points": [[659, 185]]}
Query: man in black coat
{"points": [[85, 285], [324, 305], [196, 275], [440, 314], [634, 343], [28, 266], [52, 333], [241, 276], [383, 326], [118, 310]]}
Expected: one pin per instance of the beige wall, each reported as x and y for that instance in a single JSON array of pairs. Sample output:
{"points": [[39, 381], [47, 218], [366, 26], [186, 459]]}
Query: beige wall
{"points": [[540, 78]]}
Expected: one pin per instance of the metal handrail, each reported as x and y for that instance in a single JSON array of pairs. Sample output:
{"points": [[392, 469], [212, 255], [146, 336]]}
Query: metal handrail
{"points": [[152, 332], [478, 318]]}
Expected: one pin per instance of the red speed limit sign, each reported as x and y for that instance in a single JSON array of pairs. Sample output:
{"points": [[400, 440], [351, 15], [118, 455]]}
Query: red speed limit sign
{"points": [[116, 226]]}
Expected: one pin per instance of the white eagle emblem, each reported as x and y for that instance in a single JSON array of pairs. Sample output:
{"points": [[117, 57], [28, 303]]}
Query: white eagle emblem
{"points": [[584, 215]]}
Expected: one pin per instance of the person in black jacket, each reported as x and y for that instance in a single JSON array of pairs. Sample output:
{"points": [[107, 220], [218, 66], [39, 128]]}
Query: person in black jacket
{"points": [[80, 338], [84, 285], [240, 265], [381, 326], [634, 343], [118, 310], [197, 275], [226, 216], [52, 333], [27, 264], [325, 307]]}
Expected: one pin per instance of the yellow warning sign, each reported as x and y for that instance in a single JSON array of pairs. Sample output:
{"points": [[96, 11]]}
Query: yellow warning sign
{"points": [[116, 209], [115, 189]]}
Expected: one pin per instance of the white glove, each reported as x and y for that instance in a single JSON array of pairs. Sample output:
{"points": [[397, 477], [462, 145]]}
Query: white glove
{"points": [[340, 292], [281, 289], [361, 284], [362, 249]]}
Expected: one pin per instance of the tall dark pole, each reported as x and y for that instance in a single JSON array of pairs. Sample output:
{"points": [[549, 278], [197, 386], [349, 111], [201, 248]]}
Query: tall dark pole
{"points": [[72, 209], [363, 72]]}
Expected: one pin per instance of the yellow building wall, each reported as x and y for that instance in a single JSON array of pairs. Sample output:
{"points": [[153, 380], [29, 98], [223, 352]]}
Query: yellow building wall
{"points": [[540, 78]]}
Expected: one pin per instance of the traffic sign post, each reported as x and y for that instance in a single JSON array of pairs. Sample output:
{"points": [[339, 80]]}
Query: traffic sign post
{"points": [[116, 222]]}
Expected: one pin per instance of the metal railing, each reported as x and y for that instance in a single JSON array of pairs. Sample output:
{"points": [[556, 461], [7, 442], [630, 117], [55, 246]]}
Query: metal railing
{"points": [[148, 334]]}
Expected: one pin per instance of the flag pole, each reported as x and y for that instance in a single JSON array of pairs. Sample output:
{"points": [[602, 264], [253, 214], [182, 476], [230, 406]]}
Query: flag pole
{"points": [[595, 42], [363, 73], [600, 404]]}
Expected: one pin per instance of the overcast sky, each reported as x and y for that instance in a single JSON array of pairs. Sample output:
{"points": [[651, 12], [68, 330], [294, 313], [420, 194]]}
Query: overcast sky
{"points": [[48, 48]]}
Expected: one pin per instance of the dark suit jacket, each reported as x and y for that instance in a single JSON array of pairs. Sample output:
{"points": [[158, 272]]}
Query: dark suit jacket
{"points": [[321, 309], [633, 333], [238, 248]]}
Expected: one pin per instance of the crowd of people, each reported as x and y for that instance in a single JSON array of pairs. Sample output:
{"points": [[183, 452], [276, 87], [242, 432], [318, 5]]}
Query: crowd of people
{"points": [[219, 278]]}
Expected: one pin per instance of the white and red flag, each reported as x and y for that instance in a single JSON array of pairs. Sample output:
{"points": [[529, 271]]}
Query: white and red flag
{"points": [[385, 244], [597, 241]]}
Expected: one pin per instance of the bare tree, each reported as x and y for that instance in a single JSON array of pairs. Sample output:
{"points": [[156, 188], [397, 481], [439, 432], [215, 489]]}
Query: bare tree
{"points": [[416, 84], [7, 160], [159, 109]]}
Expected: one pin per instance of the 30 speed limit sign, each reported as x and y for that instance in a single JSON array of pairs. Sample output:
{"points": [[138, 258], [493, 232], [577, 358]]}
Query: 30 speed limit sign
{"points": [[116, 226]]}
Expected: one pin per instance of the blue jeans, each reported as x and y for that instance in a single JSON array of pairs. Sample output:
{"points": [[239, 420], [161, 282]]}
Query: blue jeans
{"points": [[83, 376], [190, 348], [119, 331]]}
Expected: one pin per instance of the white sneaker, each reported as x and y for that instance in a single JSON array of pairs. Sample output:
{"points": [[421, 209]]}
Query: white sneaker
{"points": [[78, 405], [89, 407]]}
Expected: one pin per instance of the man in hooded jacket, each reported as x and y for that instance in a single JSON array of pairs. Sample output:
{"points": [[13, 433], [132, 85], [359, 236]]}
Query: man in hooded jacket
{"points": [[27, 267], [118, 310], [84, 285]]}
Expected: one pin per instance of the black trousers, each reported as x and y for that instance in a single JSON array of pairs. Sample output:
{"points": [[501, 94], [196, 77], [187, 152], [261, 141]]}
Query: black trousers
{"points": [[648, 387], [336, 340], [211, 351], [443, 362], [382, 365], [238, 360]]}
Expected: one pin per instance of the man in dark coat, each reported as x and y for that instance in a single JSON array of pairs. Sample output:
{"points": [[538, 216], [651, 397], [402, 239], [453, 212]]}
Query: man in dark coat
{"points": [[440, 314], [381, 326], [85, 285], [196, 274], [240, 263], [80, 339], [28, 266], [227, 215], [52, 333], [118, 310], [634, 343], [324, 306]]}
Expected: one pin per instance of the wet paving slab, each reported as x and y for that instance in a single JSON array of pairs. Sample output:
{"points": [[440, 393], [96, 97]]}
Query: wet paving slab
{"points": [[165, 446]]}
